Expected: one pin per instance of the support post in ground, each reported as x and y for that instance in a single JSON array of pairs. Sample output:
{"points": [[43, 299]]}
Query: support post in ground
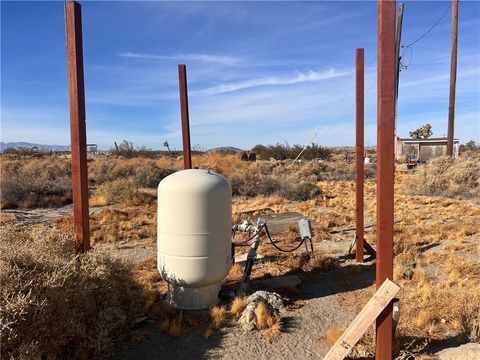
{"points": [[73, 26], [453, 78], [359, 149], [182, 80], [385, 166], [398, 40]]}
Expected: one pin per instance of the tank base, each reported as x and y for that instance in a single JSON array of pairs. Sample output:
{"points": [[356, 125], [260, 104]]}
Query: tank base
{"points": [[192, 298]]}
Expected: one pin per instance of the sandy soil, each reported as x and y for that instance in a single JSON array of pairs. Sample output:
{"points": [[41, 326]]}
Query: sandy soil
{"points": [[323, 308], [328, 300]]}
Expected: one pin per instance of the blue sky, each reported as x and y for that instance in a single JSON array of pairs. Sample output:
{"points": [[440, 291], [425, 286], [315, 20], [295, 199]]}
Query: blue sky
{"points": [[258, 72]]}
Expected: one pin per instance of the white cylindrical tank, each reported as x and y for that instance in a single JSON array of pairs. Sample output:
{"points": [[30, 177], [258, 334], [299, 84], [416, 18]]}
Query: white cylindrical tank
{"points": [[194, 236]]}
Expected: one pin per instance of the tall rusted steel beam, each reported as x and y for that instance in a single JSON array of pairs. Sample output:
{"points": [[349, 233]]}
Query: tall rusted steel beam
{"points": [[182, 80], [78, 136], [359, 149], [453, 78], [385, 166]]}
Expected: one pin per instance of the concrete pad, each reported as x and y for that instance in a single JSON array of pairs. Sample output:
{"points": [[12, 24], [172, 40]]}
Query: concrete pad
{"points": [[279, 221], [284, 281], [470, 351], [242, 258]]}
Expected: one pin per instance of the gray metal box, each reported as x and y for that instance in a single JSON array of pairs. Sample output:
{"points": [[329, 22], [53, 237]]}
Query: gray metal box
{"points": [[305, 228]]}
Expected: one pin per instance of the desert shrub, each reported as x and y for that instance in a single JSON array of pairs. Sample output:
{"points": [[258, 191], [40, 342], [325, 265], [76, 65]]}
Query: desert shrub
{"points": [[298, 191], [35, 182], [288, 188], [447, 177], [56, 305], [118, 191], [144, 172], [127, 150], [282, 152]]}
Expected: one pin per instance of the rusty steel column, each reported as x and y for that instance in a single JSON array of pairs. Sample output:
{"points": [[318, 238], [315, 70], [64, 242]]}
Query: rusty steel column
{"points": [[453, 79], [385, 166], [359, 150], [182, 81], [78, 136]]}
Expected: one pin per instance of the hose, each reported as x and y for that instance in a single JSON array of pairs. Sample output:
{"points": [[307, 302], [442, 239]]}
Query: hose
{"points": [[279, 248], [244, 243]]}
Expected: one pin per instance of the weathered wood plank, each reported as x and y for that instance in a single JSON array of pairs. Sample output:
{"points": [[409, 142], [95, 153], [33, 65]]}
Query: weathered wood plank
{"points": [[383, 296]]}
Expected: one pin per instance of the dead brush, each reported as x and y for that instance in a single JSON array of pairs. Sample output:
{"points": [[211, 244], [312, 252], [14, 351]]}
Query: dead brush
{"points": [[56, 304], [239, 304], [332, 334], [146, 273], [270, 323], [218, 316], [172, 325]]}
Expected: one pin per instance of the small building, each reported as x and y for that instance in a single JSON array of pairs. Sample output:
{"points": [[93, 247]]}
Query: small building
{"points": [[423, 149]]}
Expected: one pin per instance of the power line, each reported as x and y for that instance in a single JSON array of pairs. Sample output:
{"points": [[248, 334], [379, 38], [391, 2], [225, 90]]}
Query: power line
{"points": [[431, 27]]}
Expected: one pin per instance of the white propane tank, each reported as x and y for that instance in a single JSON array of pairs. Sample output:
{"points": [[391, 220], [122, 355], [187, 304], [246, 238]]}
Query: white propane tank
{"points": [[194, 236]]}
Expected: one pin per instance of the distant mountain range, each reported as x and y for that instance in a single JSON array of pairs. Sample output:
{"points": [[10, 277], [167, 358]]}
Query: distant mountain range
{"points": [[45, 147], [41, 147], [227, 148]]}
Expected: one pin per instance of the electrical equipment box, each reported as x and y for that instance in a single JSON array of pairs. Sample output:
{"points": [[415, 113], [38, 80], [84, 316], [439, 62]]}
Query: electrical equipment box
{"points": [[305, 228]]}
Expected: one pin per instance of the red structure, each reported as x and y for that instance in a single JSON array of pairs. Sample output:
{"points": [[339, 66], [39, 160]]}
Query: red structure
{"points": [[182, 81], [73, 26], [385, 166], [359, 151]]}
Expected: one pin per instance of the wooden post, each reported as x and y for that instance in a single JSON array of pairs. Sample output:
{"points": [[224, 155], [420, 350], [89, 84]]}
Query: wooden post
{"points": [[73, 22], [453, 78], [382, 297], [385, 166], [182, 80], [398, 40], [359, 148]]}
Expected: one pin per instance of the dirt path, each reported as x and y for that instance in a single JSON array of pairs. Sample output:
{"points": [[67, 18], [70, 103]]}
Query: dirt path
{"points": [[302, 337]]}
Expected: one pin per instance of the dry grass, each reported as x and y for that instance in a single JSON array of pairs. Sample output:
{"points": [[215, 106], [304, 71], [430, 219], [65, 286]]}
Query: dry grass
{"points": [[27, 183], [238, 305], [446, 177], [128, 224], [218, 315], [58, 305], [332, 335], [270, 324], [432, 309], [172, 325]]}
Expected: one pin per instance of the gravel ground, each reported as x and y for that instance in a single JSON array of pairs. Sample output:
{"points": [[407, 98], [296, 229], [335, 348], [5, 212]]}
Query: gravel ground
{"points": [[303, 327]]}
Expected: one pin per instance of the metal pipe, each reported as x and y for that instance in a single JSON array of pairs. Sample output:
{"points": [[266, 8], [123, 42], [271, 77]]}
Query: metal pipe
{"points": [[73, 26], [360, 163], [182, 81], [385, 166]]}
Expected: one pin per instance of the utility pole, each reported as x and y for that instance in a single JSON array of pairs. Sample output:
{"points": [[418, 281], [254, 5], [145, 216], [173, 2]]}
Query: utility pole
{"points": [[359, 153], [182, 80], [398, 40], [385, 167], [78, 132], [453, 78]]}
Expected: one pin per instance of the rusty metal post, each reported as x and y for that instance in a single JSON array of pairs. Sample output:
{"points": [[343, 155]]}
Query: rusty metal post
{"points": [[359, 149], [453, 78], [78, 137], [385, 166], [182, 80]]}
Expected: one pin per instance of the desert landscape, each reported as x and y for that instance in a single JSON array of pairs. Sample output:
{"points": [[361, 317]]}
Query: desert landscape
{"points": [[109, 301], [240, 180]]}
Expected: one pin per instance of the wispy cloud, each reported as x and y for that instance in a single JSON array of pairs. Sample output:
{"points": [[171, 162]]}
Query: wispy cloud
{"points": [[299, 77], [205, 58]]}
